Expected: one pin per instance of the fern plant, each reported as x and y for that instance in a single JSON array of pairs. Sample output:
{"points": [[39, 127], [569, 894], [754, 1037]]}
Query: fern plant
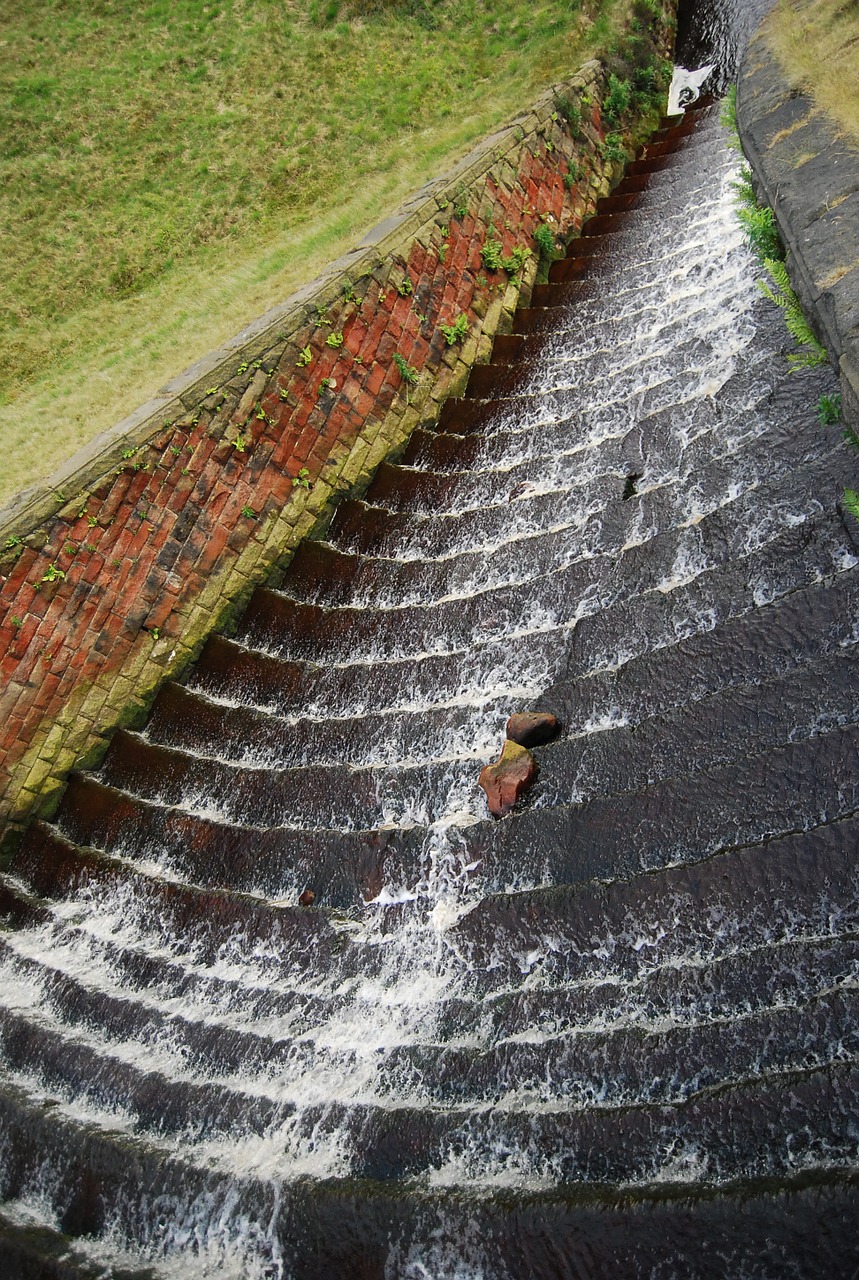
{"points": [[782, 294]]}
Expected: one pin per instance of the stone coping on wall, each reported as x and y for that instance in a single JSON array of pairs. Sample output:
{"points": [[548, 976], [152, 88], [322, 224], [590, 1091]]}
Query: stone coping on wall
{"points": [[809, 175]]}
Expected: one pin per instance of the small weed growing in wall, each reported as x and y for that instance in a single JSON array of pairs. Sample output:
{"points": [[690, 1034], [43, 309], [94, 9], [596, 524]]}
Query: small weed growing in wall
{"points": [[613, 148], [12, 542], [405, 287], [240, 443], [327, 384], [828, 410], [758, 221], [249, 513], [570, 112], [301, 481], [455, 332], [517, 259], [616, 100], [408, 371], [53, 573], [334, 339], [491, 255], [544, 240], [304, 357]]}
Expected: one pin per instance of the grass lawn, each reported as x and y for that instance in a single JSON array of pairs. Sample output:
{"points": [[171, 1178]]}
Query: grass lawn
{"points": [[172, 168], [817, 43]]}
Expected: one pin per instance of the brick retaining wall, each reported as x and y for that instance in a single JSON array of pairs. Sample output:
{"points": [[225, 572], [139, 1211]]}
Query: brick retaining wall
{"points": [[150, 538]]}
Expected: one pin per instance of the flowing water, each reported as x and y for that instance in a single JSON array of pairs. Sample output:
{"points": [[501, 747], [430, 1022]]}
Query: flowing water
{"points": [[613, 1034]]}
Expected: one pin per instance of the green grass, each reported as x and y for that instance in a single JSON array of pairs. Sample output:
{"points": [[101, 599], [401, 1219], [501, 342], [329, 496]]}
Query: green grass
{"points": [[172, 168]]}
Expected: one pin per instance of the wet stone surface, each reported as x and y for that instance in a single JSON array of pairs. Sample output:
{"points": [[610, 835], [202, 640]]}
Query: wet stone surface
{"points": [[276, 982]]}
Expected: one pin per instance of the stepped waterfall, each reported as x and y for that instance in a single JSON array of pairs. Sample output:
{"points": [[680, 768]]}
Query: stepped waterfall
{"points": [[612, 1034]]}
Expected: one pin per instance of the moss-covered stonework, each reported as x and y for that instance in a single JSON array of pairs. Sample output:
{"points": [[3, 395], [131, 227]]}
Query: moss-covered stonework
{"points": [[154, 535]]}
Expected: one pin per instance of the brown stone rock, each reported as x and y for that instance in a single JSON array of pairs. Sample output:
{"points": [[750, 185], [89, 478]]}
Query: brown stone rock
{"points": [[532, 728], [508, 778], [307, 898]]}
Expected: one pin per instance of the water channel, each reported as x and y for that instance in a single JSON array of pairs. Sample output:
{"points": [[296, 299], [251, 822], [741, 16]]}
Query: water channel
{"points": [[614, 1034]]}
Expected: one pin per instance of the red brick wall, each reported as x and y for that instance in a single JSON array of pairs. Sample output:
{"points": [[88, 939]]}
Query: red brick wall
{"points": [[119, 588]]}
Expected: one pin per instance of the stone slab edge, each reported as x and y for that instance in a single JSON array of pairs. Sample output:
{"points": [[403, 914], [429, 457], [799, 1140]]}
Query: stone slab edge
{"points": [[809, 176], [24, 513]]}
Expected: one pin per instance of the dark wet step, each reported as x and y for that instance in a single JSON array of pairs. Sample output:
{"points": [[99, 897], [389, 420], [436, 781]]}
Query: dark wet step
{"points": [[496, 439], [780, 891], [605, 1044], [140, 1097], [101, 1176], [785, 636], [782, 636], [211, 924], [278, 863], [634, 1066], [725, 727], [31, 1250], [337, 796], [724, 516], [679, 582], [687, 989], [658, 600], [787, 789], [182, 718], [309, 797]]}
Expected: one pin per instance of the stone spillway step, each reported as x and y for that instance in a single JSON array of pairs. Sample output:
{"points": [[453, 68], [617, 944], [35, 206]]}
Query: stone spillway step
{"points": [[279, 998]]}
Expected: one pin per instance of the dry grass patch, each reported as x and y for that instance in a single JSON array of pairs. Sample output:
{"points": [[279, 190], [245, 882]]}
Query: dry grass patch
{"points": [[817, 44]]}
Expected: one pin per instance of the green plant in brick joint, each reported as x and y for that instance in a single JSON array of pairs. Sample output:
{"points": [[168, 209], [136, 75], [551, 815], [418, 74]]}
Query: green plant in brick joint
{"points": [[304, 357], [617, 99], [53, 573], [455, 332], [492, 254], [545, 241], [570, 112], [408, 371], [302, 480], [613, 149], [240, 443], [405, 287], [334, 340]]}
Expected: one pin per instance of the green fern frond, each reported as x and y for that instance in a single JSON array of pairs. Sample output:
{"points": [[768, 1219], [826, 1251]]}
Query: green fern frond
{"points": [[783, 296], [850, 501]]}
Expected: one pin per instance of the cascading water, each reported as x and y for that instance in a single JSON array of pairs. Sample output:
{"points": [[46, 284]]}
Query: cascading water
{"points": [[613, 1034]]}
